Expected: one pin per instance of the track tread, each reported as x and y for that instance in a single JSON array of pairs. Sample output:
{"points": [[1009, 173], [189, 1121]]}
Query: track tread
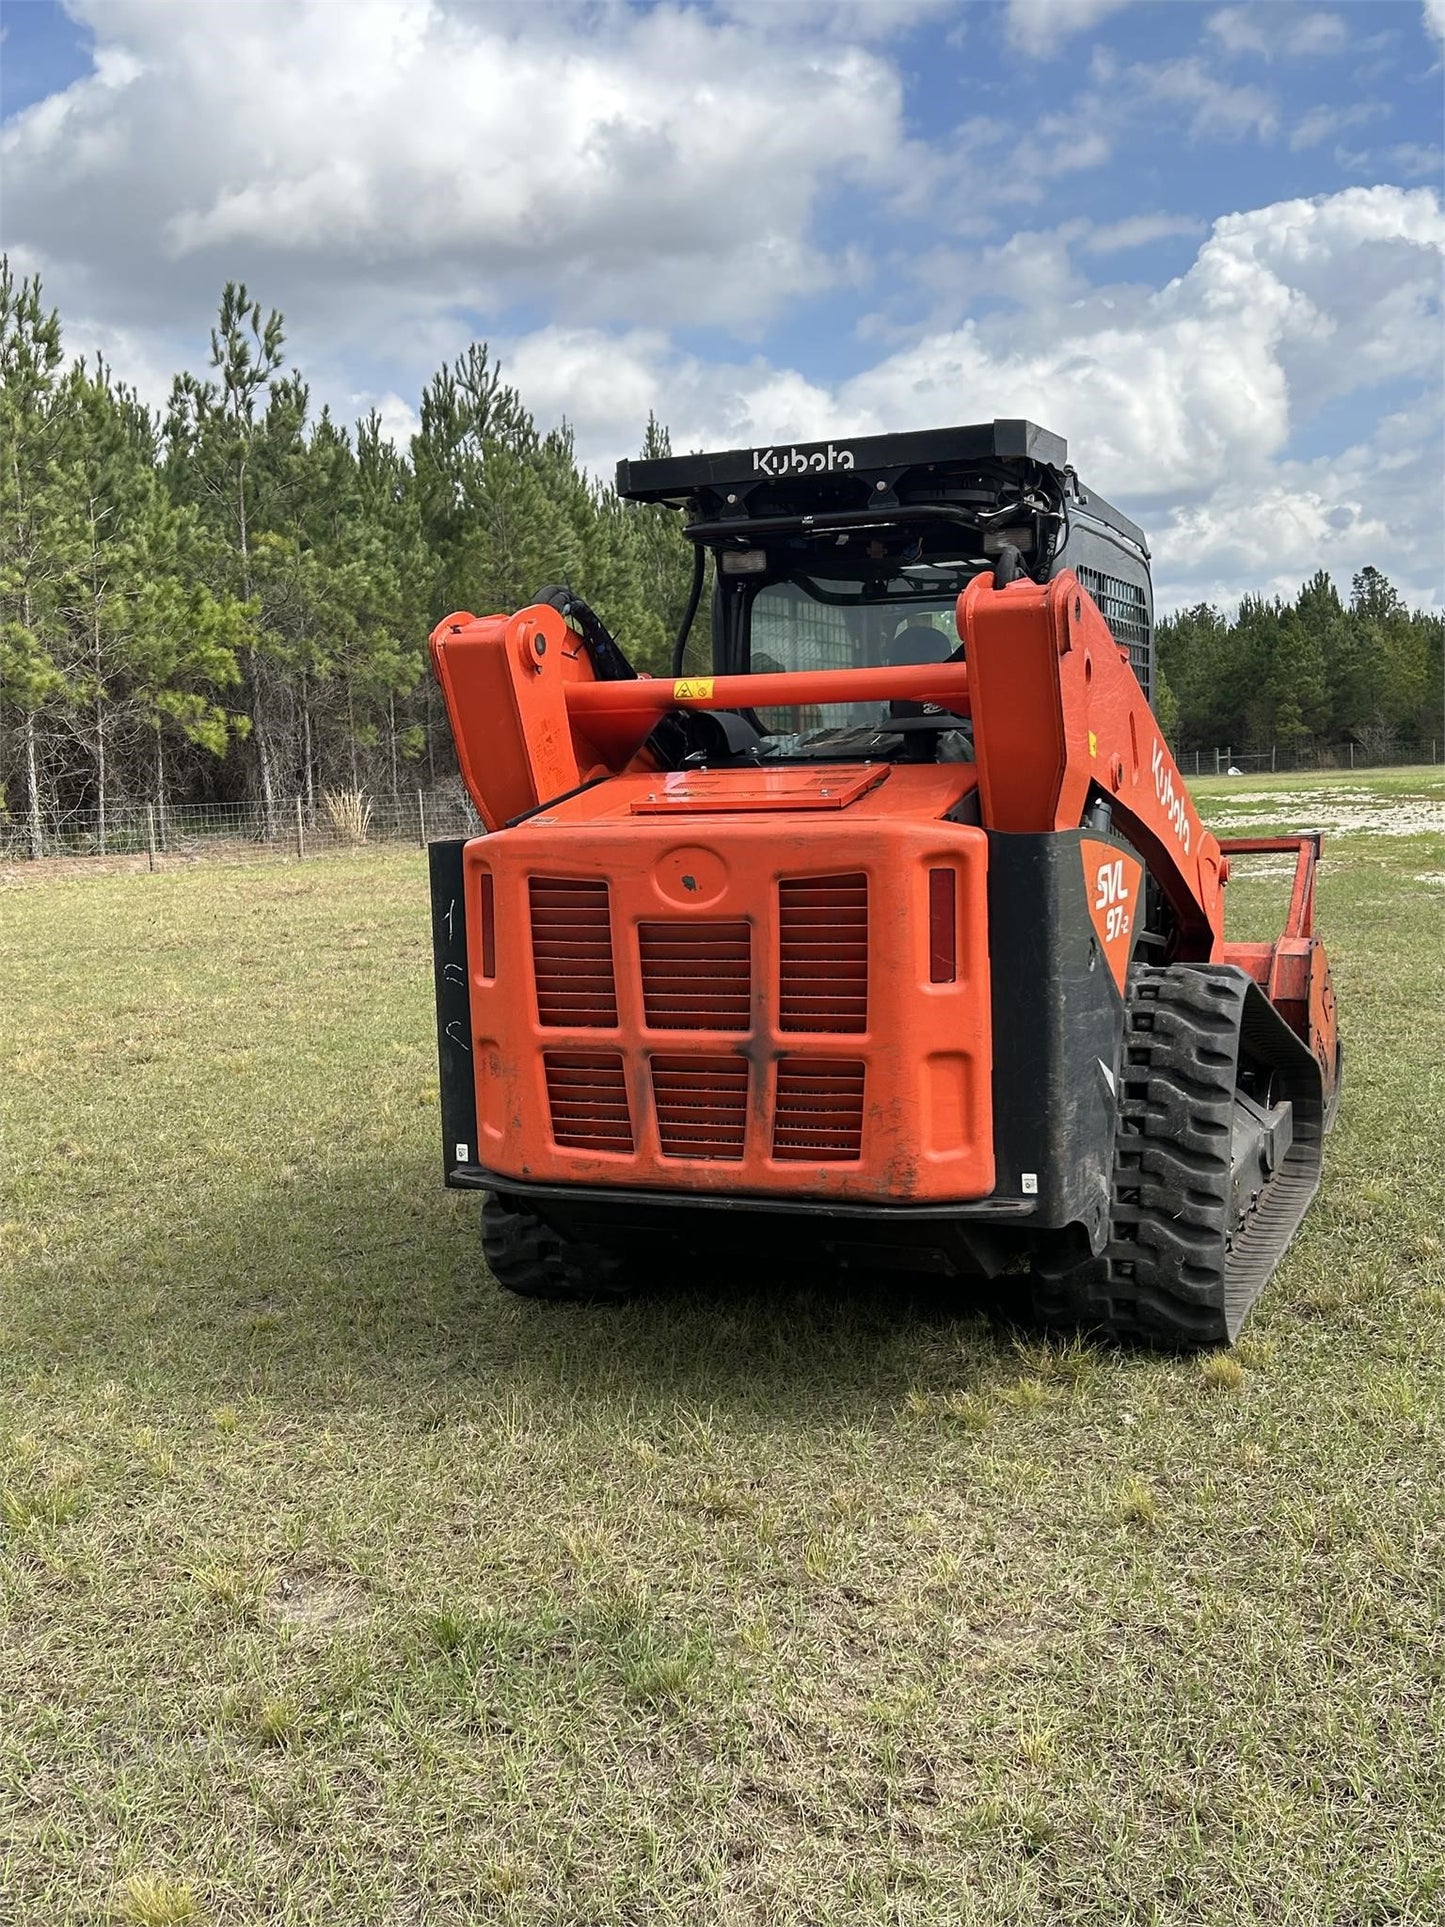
{"points": [[527, 1256], [1178, 1272]]}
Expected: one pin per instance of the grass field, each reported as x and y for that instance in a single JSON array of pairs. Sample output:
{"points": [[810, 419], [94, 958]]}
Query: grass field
{"points": [[337, 1588]]}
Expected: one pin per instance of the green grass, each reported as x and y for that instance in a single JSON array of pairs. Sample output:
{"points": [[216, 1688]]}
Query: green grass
{"points": [[336, 1587]]}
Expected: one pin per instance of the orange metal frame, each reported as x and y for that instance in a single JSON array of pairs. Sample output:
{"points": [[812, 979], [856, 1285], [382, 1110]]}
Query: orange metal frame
{"points": [[1293, 971], [1059, 720], [919, 1047]]}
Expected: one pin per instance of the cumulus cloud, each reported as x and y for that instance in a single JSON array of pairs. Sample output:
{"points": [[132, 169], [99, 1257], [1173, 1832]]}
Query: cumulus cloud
{"points": [[1374, 502], [1181, 402], [617, 158], [583, 182], [1435, 18]]}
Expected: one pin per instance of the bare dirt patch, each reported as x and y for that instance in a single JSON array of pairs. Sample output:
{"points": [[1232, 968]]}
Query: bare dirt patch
{"points": [[1329, 809]]}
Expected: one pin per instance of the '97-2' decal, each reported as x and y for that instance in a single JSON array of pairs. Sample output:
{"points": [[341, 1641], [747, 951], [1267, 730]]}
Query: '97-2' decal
{"points": [[1111, 883]]}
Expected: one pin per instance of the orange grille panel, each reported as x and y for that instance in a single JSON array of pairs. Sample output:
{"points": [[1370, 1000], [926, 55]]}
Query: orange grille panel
{"points": [[587, 1096], [819, 1113], [737, 1004], [702, 1106], [696, 976], [572, 953], [823, 968]]}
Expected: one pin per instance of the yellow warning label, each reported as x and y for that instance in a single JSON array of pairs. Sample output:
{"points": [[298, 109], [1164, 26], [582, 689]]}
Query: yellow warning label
{"points": [[1093, 744], [692, 689]]}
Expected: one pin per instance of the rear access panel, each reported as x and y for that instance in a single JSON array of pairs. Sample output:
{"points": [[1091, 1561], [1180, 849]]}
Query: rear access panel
{"points": [[737, 992]]}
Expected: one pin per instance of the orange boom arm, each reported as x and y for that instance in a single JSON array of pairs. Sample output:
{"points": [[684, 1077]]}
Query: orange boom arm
{"points": [[1056, 710]]}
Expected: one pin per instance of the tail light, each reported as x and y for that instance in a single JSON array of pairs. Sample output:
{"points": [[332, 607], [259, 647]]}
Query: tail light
{"points": [[489, 925], [942, 926]]}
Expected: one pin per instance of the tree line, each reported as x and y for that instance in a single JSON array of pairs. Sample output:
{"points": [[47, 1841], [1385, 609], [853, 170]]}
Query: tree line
{"points": [[1314, 674], [230, 599]]}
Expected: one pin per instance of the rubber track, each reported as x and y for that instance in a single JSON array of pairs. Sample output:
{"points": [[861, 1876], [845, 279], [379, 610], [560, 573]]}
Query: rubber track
{"points": [[525, 1255], [1178, 1271]]}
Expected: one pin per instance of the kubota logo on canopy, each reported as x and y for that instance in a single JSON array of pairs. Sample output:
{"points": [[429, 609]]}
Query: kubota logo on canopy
{"points": [[800, 461]]}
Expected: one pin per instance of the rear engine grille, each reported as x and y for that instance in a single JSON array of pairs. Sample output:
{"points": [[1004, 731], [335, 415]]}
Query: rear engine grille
{"points": [[696, 976], [702, 1105], [823, 969], [572, 952], [587, 1096], [819, 1114]]}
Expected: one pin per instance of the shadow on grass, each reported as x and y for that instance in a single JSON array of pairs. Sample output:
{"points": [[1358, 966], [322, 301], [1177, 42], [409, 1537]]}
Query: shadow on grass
{"points": [[369, 1288]]}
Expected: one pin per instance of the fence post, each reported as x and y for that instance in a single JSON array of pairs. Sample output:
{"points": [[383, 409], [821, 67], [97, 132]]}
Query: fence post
{"points": [[1216, 759], [1272, 748], [300, 832], [421, 818], [151, 835], [1352, 752]]}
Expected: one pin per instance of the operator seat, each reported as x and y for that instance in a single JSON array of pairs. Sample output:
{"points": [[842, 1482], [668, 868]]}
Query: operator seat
{"points": [[919, 642]]}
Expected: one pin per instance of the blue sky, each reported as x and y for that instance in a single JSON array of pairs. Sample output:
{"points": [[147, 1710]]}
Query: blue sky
{"points": [[1203, 241]]}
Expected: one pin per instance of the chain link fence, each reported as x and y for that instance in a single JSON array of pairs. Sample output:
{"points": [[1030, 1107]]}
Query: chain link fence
{"points": [[295, 828], [1223, 759], [298, 827]]}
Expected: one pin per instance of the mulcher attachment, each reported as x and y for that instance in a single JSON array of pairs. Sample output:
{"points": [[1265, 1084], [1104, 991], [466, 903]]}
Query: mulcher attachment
{"points": [[1217, 1155]]}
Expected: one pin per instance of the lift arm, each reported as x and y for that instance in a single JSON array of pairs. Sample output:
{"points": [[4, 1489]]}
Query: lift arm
{"points": [[531, 722], [1059, 719]]}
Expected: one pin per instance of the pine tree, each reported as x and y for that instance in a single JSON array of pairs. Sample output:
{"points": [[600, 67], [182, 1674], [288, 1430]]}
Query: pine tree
{"points": [[666, 562], [215, 435], [41, 539]]}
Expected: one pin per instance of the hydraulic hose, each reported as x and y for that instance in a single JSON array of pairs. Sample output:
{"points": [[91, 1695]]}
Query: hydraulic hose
{"points": [[699, 570], [1009, 566]]}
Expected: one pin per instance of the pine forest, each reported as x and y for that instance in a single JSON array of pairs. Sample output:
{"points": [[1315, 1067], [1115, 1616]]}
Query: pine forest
{"points": [[231, 601]]}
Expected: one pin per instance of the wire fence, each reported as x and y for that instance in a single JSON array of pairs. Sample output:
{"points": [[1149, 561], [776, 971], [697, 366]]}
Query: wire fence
{"points": [[1225, 760], [295, 828]]}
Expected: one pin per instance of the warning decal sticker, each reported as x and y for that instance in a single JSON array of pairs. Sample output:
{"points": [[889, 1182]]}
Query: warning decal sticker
{"points": [[692, 689]]}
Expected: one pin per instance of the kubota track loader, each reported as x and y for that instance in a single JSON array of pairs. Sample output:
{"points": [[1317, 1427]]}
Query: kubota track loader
{"points": [[895, 936]]}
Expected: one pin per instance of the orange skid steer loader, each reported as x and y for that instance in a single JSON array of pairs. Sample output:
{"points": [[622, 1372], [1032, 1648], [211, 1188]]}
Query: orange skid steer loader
{"points": [[894, 937]]}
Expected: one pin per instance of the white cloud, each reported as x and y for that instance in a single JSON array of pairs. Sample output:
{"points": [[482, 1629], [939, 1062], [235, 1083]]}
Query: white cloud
{"points": [[1180, 403], [1138, 230], [1290, 30], [1435, 18], [1376, 502], [1417, 162], [403, 174], [397, 418], [1040, 27], [616, 158], [853, 19], [1320, 123], [1216, 108]]}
